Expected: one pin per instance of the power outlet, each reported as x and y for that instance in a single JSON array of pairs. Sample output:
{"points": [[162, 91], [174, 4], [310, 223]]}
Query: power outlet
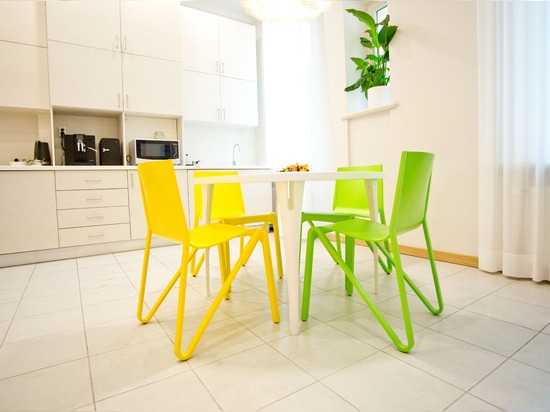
{"points": [[62, 130]]}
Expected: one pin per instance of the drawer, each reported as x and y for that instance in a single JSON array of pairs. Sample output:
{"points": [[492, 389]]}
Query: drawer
{"points": [[92, 179], [92, 216], [95, 234], [76, 199]]}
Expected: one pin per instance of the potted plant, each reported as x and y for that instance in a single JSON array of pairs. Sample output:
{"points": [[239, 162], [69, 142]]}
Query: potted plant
{"points": [[374, 66]]}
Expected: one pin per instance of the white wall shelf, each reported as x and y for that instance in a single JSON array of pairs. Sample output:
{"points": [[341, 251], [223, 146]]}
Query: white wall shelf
{"points": [[368, 112]]}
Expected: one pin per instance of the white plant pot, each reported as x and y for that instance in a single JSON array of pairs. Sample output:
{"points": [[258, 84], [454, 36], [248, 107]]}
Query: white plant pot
{"points": [[378, 96]]}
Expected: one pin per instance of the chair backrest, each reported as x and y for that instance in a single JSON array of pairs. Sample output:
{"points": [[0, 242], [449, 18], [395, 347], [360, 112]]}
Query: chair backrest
{"points": [[227, 199], [164, 211], [412, 191], [350, 196]]}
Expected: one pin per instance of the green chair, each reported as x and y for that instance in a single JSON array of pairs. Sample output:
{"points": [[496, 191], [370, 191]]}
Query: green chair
{"points": [[350, 201], [409, 213]]}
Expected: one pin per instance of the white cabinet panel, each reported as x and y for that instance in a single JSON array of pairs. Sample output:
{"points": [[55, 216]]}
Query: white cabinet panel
{"points": [[92, 216], [73, 199], [201, 96], [85, 77], [151, 28], [199, 41], [23, 22], [210, 98], [237, 49], [90, 179], [24, 79], [239, 102], [28, 219], [152, 85], [77, 236], [85, 22]]}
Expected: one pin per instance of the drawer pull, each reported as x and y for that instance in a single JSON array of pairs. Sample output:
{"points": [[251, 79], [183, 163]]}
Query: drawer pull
{"points": [[95, 235], [94, 199], [90, 180], [95, 217]]}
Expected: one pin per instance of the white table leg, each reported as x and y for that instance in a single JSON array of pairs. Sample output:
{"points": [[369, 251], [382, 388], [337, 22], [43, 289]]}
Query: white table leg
{"points": [[290, 196]]}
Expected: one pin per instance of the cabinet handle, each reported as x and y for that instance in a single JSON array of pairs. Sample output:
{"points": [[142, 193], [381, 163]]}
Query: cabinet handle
{"points": [[118, 100], [127, 102], [125, 43], [95, 217], [223, 68], [92, 235], [90, 180], [223, 114], [117, 42], [218, 114], [94, 199], [217, 67]]}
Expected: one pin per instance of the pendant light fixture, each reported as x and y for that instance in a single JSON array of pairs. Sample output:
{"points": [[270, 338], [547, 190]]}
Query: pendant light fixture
{"points": [[285, 10]]}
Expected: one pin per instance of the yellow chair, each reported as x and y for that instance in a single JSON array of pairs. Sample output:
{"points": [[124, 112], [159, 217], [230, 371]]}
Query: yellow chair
{"points": [[166, 219], [228, 207]]}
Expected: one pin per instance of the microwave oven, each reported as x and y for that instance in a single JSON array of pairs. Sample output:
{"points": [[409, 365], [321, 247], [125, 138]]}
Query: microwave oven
{"points": [[144, 150]]}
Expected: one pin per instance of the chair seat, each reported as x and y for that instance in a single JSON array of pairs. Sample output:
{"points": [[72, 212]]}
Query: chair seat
{"points": [[356, 228], [212, 234]]}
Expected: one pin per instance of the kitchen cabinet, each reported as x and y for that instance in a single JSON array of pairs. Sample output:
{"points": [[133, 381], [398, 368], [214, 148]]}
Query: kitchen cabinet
{"points": [[85, 77], [145, 28], [219, 69], [210, 98], [23, 22], [92, 207], [23, 53], [24, 79], [28, 220]]}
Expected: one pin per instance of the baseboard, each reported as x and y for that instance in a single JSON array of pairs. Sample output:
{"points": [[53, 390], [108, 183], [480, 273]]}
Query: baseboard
{"points": [[448, 257]]}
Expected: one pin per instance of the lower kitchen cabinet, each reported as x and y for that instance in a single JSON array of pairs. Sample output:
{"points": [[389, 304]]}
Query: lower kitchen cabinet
{"points": [[92, 207], [28, 219], [52, 213]]}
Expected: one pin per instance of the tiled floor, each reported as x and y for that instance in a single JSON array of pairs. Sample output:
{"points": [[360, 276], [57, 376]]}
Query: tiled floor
{"points": [[70, 341]]}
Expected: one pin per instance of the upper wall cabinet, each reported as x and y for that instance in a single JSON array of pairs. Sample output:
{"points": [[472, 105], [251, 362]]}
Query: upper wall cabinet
{"points": [[144, 28], [119, 56], [217, 45], [24, 79], [23, 22]]}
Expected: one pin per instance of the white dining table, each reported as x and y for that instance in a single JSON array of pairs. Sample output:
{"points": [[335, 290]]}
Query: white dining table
{"points": [[290, 194]]}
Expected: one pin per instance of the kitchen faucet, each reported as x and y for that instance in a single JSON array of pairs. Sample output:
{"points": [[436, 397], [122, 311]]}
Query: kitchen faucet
{"points": [[235, 147]]}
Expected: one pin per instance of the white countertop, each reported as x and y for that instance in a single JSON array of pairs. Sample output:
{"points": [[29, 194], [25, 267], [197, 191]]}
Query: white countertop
{"points": [[76, 168]]}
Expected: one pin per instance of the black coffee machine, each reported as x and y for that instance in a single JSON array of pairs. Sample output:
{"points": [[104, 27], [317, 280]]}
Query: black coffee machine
{"points": [[79, 150]]}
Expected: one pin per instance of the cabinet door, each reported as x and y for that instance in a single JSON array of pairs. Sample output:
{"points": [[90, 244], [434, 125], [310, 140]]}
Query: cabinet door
{"points": [[237, 49], [28, 218], [201, 97], [24, 79], [85, 77], [199, 41], [239, 102], [23, 22], [86, 22], [152, 85], [151, 28]]}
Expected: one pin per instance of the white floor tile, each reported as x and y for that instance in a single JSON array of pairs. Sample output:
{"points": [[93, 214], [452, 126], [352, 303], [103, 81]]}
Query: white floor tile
{"points": [[70, 340], [516, 387]]}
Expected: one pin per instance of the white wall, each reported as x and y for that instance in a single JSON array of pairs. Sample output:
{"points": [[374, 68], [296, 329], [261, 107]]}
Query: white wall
{"points": [[434, 81]]}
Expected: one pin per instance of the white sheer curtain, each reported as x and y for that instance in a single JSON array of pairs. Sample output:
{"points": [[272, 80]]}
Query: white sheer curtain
{"points": [[514, 149], [296, 121]]}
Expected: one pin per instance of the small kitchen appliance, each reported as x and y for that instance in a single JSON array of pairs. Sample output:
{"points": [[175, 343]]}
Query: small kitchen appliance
{"points": [[109, 152], [143, 150], [79, 150]]}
